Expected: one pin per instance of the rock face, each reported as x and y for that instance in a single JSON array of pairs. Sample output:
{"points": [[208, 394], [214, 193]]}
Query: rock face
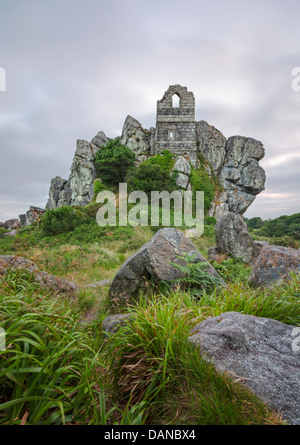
{"points": [[56, 187], [78, 189], [100, 139], [233, 238], [11, 224], [51, 282], [32, 215], [153, 260], [259, 350], [183, 167], [212, 145], [135, 137], [274, 264], [241, 176], [257, 246], [83, 173]]}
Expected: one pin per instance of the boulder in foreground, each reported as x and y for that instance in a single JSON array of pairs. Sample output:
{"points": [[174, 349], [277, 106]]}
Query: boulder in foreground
{"points": [[153, 261], [261, 352]]}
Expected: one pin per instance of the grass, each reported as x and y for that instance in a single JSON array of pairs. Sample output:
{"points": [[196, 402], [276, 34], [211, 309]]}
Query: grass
{"points": [[53, 369], [59, 368], [48, 369]]}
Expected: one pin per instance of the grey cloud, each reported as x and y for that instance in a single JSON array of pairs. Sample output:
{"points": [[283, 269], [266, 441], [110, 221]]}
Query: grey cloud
{"points": [[75, 67]]}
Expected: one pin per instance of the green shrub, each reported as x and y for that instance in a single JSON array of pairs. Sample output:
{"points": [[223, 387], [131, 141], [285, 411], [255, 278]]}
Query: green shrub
{"points": [[165, 160], [233, 270], [209, 227], [278, 227], [201, 181], [254, 223], [149, 177], [61, 220], [98, 187], [113, 161], [3, 232], [287, 241]]}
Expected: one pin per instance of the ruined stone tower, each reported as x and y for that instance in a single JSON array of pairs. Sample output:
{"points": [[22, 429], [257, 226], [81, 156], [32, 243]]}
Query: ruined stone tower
{"points": [[176, 129]]}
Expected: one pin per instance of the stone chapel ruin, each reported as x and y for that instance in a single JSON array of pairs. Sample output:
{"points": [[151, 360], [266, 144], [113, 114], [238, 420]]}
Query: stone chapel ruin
{"points": [[234, 161]]}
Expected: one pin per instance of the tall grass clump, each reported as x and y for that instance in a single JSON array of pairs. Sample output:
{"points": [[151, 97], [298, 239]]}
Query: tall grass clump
{"points": [[280, 302], [151, 360], [48, 372]]}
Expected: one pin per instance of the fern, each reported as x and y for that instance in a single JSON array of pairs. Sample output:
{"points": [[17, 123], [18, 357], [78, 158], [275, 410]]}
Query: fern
{"points": [[196, 279]]}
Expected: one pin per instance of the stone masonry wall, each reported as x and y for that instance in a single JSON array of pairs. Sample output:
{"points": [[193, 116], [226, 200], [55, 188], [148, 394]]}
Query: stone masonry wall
{"points": [[176, 129]]}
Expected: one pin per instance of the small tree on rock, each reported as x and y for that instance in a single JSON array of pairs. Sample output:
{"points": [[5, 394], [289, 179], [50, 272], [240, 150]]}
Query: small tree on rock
{"points": [[113, 161]]}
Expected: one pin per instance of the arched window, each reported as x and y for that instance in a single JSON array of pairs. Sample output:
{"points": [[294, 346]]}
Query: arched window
{"points": [[175, 101]]}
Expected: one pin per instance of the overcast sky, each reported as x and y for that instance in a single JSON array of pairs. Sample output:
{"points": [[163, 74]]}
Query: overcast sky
{"points": [[75, 67]]}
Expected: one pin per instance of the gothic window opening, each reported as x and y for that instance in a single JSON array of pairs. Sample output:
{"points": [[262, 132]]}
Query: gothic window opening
{"points": [[175, 101]]}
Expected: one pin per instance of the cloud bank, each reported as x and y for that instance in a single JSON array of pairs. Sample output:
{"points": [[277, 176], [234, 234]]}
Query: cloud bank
{"points": [[74, 68]]}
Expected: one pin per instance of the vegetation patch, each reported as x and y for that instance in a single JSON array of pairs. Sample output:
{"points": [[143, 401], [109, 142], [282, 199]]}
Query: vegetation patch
{"points": [[113, 162], [283, 231], [165, 160], [148, 177], [201, 181]]}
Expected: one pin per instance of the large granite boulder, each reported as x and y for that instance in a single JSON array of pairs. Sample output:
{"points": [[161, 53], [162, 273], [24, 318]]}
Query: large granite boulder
{"points": [[258, 352], [56, 187], [8, 262], [153, 261], [23, 220], [50, 282], [236, 166], [241, 176], [135, 137], [233, 238], [274, 263]]}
